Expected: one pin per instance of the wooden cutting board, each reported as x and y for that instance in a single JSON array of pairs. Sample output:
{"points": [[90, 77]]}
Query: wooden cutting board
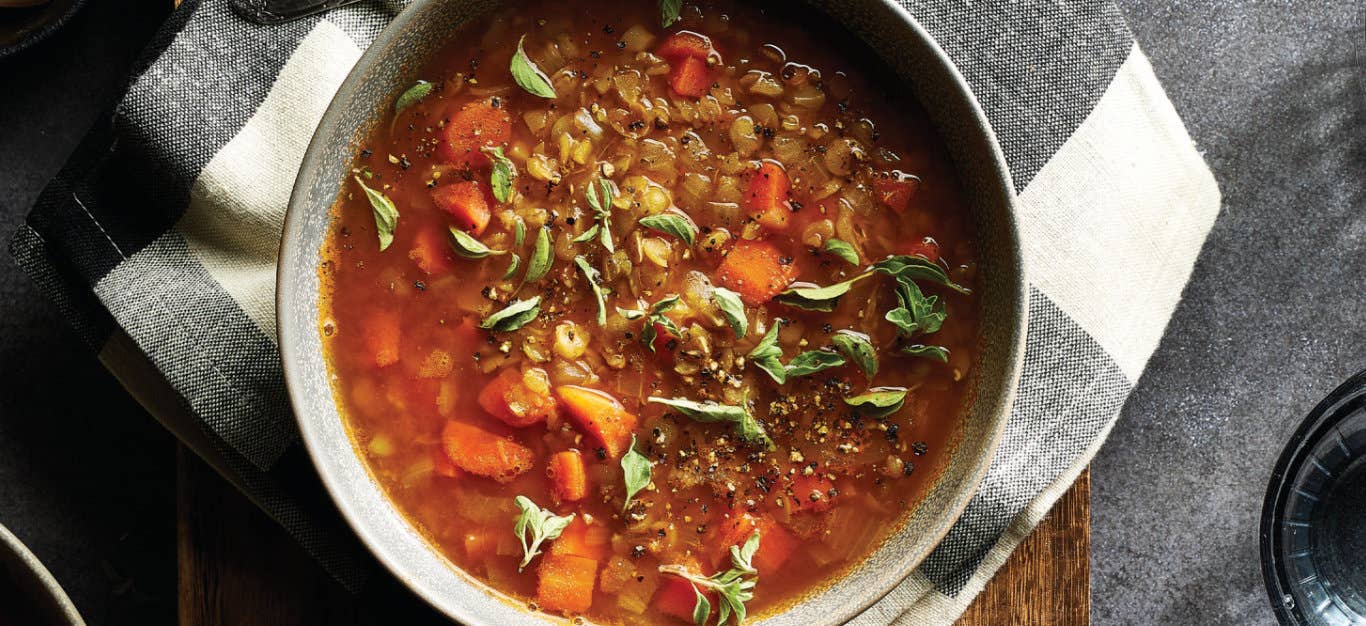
{"points": [[238, 567]]}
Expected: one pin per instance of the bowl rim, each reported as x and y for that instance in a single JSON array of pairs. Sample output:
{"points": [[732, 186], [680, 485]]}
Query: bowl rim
{"points": [[1012, 355], [54, 603]]}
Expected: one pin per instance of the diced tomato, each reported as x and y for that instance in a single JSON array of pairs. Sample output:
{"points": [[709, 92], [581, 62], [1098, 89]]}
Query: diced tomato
{"points": [[474, 126], [756, 270], [676, 598], [685, 45], [382, 334], [431, 252], [690, 77], [567, 476], [508, 397], [896, 191], [565, 583], [926, 248], [664, 343], [591, 541], [467, 202], [600, 416], [811, 493], [483, 453], [776, 546], [767, 196]]}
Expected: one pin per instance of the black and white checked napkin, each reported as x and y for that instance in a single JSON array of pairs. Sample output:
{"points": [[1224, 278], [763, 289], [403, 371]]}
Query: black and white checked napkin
{"points": [[158, 241]]}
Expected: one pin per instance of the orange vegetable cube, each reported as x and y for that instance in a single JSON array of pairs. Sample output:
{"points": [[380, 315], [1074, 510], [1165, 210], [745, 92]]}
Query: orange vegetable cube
{"points": [[776, 546], [690, 77], [565, 583], [474, 126], [467, 202], [382, 337], [756, 270], [677, 598], [483, 453], [896, 191], [685, 45], [567, 476], [431, 252], [511, 399], [443, 465], [811, 493], [767, 196], [600, 416], [591, 541]]}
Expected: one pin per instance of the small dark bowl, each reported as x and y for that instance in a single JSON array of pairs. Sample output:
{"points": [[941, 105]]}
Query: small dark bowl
{"points": [[23, 27], [391, 64]]}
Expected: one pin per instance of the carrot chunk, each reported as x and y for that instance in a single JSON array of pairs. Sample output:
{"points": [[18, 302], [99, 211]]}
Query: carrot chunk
{"points": [[776, 546], [565, 583], [467, 202], [767, 196], [755, 270], [474, 126], [811, 493], [431, 252], [444, 466], [676, 598], [690, 77], [590, 541], [600, 416], [686, 45], [381, 337], [481, 452], [567, 476], [896, 192], [518, 398]]}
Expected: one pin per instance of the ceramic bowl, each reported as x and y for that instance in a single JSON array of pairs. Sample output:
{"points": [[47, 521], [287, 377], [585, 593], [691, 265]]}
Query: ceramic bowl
{"points": [[391, 64], [28, 593]]}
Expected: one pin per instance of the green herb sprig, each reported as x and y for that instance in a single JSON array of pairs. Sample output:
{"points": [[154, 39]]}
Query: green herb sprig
{"points": [[747, 427], [412, 95], [528, 76], [467, 246], [502, 174], [600, 196], [386, 215], [635, 471], [734, 587], [594, 278], [878, 401], [674, 224], [542, 526], [733, 309], [513, 316], [656, 316], [668, 12]]}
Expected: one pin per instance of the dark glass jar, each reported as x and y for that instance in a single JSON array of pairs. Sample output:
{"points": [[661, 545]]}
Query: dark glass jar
{"points": [[1314, 519]]}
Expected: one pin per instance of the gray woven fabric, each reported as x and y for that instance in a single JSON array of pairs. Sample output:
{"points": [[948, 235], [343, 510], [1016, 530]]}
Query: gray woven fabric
{"points": [[1082, 122]]}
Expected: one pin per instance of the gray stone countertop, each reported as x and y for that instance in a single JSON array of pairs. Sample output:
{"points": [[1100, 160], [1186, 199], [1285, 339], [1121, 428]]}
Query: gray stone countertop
{"points": [[1274, 94]]}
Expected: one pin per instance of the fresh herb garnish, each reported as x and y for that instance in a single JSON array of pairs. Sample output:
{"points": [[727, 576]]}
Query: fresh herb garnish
{"points": [[672, 224], [519, 232], [814, 298], [668, 12], [910, 267], [938, 353], [630, 314], [594, 278], [539, 263], [878, 401], [813, 361], [734, 587], [859, 348], [514, 316], [600, 196], [528, 76], [635, 470], [544, 526], [513, 263], [386, 215], [467, 246], [746, 425], [841, 249], [587, 235], [733, 309], [656, 316], [768, 356], [412, 96], [503, 173]]}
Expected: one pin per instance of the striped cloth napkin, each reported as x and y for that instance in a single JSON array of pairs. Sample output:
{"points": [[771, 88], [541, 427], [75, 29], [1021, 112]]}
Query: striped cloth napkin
{"points": [[158, 241]]}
